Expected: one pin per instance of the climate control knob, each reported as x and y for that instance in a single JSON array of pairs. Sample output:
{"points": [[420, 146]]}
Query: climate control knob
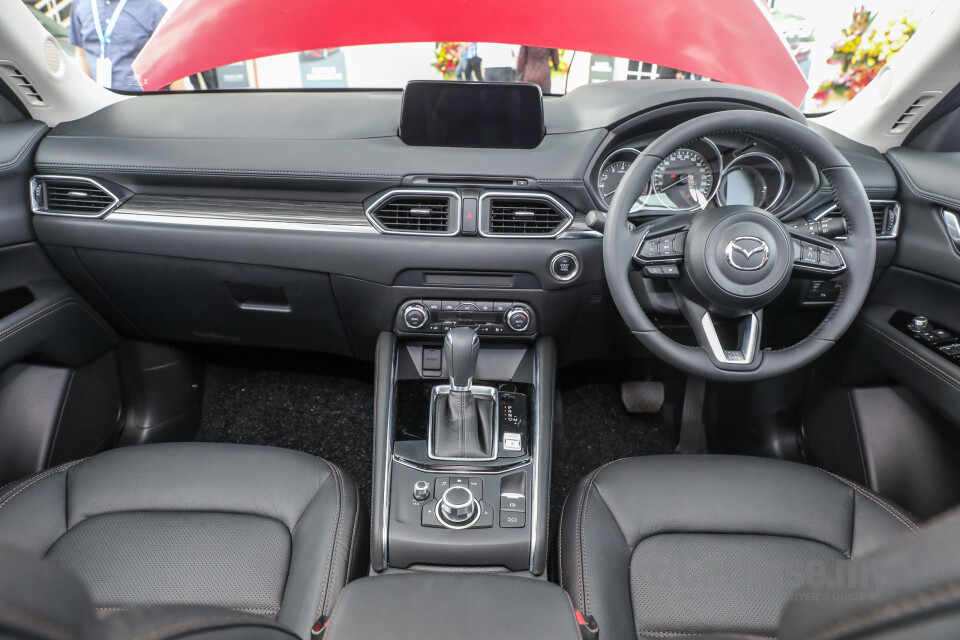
{"points": [[518, 318], [457, 506], [415, 315]]}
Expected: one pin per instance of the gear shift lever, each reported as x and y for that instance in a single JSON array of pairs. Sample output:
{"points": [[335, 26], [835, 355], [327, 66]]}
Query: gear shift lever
{"points": [[463, 425], [461, 348]]}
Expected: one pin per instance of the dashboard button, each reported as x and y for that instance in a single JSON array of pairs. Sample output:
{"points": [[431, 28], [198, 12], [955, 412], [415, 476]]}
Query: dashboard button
{"points": [[485, 305], [432, 305], [449, 305], [501, 306], [564, 266]]}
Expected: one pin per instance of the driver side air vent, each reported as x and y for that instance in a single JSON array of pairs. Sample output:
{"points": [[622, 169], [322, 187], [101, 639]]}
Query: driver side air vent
{"points": [[69, 196], [427, 213], [523, 215]]}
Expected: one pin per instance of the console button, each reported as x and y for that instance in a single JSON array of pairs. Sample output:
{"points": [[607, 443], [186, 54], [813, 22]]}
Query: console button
{"points": [[513, 502], [512, 441], [428, 515], [441, 485], [476, 487], [449, 305], [432, 305], [485, 521], [415, 315], [485, 305], [501, 305], [468, 306], [512, 519], [459, 481], [457, 506], [421, 490], [518, 318]]}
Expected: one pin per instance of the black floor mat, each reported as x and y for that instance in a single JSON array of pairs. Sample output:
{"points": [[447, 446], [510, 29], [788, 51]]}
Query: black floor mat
{"points": [[323, 406], [596, 429]]}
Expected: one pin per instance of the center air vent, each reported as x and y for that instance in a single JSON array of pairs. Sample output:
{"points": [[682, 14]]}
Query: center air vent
{"points": [[69, 196], [523, 215], [416, 212]]}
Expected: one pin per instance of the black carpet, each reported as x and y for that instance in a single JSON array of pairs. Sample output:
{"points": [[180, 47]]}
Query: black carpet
{"points": [[324, 406], [595, 429], [321, 405]]}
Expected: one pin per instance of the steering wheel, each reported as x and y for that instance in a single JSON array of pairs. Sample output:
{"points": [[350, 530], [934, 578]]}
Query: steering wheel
{"points": [[727, 263]]}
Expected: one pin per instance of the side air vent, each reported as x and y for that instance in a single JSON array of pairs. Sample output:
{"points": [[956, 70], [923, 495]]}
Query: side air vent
{"points": [[886, 217], [416, 212], [523, 215], [911, 115], [18, 82], [69, 196]]}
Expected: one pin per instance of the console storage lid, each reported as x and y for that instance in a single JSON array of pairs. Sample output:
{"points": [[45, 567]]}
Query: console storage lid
{"points": [[440, 606]]}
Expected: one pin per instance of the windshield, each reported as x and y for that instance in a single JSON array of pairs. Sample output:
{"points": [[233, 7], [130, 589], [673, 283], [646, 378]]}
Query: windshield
{"points": [[837, 45]]}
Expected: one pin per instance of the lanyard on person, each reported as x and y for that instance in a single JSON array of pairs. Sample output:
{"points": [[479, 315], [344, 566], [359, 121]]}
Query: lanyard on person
{"points": [[104, 64], [104, 36]]}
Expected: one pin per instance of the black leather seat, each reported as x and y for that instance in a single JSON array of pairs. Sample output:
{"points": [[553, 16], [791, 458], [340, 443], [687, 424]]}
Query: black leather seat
{"points": [[260, 530], [670, 546]]}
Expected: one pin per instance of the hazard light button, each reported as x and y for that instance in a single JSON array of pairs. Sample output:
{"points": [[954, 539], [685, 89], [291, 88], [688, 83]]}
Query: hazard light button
{"points": [[469, 226]]}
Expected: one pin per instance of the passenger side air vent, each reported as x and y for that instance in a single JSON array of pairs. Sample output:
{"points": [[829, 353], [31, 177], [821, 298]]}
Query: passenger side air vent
{"points": [[416, 212], [525, 215], [69, 196], [19, 83]]}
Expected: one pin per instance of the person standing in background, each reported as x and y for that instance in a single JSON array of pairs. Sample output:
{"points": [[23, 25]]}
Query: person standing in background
{"points": [[471, 62], [108, 36], [533, 65]]}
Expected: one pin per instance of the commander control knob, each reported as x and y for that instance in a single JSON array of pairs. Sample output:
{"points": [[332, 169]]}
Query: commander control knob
{"points": [[919, 323], [415, 315], [518, 318], [421, 490], [457, 506]]}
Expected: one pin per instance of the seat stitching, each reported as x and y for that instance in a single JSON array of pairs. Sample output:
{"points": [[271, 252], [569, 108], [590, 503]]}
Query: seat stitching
{"points": [[931, 367], [35, 622], [583, 519], [563, 515], [579, 546], [328, 579], [29, 483], [186, 625], [879, 502], [670, 634], [917, 602], [353, 537]]}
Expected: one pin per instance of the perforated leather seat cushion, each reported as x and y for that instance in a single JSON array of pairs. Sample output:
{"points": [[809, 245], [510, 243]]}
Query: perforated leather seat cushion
{"points": [[669, 546], [256, 529]]}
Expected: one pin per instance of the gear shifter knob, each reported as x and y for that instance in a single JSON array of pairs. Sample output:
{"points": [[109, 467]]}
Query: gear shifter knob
{"points": [[460, 349]]}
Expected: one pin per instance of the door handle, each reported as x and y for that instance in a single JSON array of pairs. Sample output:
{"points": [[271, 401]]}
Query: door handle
{"points": [[952, 221]]}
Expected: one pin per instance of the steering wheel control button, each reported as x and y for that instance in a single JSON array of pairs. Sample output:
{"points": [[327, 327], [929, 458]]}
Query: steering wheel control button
{"points": [[650, 248], [415, 315], [565, 266], [421, 490], [512, 519], [829, 258]]}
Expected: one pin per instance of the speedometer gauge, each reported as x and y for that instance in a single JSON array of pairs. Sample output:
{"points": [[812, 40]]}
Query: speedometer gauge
{"points": [[684, 180]]}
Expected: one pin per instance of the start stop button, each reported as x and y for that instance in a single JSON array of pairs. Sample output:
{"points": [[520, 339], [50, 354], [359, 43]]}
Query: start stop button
{"points": [[564, 266]]}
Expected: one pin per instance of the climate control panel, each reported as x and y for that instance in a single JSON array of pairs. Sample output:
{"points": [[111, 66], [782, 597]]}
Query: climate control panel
{"points": [[505, 318]]}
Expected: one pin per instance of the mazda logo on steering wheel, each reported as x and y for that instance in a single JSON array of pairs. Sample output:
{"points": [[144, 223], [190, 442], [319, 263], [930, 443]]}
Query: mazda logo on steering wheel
{"points": [[747, 253]]}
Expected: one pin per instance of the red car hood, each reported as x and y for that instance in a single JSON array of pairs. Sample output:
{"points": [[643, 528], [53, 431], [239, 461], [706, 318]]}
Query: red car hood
{"points": [[733, 41]]}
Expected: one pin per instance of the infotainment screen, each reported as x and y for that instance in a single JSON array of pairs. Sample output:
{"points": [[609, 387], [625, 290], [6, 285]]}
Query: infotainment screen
{"points": [[472, 114]]}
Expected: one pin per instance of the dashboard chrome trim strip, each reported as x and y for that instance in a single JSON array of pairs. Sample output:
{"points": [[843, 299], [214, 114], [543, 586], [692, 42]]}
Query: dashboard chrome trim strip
{"points": [[121, 215], [523, 195], [455, 212]]}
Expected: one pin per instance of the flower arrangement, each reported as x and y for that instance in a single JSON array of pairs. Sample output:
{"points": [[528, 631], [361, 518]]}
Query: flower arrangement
{"points": [[447, 58], [862, 53]]}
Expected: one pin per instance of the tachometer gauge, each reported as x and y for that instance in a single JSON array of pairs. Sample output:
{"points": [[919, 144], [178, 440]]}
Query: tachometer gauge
{"points": [[610, 178], [684, 180]]}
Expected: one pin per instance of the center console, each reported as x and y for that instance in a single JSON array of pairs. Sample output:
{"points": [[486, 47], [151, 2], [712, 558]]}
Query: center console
{"points": [[462, 442]]}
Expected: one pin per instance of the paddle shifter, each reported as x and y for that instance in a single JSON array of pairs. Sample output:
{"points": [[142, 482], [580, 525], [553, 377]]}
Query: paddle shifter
{"points": [[464, 416]]}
